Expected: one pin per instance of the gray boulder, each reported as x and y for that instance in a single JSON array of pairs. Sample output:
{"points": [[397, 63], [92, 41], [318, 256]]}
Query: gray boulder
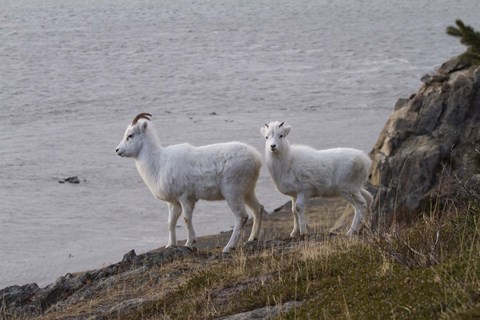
{"points": [[429, 144]]}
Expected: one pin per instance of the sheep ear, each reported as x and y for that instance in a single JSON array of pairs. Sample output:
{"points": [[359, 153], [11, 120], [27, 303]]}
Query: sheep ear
{"points": [[286, 130], [143, 126], [263, 131]]}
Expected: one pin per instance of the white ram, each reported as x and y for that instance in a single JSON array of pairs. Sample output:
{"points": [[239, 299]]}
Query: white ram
{"points": [[302, 172], [183, 174]]}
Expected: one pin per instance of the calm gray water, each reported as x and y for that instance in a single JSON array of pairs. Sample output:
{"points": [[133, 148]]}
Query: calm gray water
{"points": [[74, 73]]}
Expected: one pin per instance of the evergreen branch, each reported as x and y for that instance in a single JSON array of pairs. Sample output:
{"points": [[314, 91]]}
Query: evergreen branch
{"points": [[454, 31], [468, 37]]}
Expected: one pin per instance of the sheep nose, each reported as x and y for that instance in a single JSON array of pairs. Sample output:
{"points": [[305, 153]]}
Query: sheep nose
{"points": [[116, 150], [273, 146]]}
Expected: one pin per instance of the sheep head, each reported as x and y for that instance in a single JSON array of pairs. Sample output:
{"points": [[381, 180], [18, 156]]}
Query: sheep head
{"points": [[275, 132], [133, 138]]}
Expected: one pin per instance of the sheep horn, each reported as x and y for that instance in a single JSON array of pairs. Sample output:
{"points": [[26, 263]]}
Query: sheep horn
{"points": [[281, 124], [266, 125], [141, 116]]}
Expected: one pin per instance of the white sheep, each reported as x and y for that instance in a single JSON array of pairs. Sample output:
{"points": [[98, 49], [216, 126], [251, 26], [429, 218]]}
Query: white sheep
{"points": [[183, 174], [302, 172]]}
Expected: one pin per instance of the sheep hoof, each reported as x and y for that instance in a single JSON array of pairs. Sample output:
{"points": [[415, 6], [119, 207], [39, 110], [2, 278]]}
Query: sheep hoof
{"points": [[351, 233], [227, 251], [294, 234], [304, 237], [191, 246], [225, 255], [193, 249]]}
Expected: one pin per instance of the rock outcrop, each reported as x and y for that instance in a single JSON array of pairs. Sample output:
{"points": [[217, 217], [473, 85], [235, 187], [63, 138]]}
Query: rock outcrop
{"points": [[430, 142], [30, 300], [263, 313]]}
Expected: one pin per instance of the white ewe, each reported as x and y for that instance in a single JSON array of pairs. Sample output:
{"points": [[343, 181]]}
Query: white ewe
{"points": [[302, 173], [183, 174]]}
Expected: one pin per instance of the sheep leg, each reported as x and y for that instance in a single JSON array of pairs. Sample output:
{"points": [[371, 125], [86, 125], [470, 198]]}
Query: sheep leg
{"points": [[174, 212], [299, 222], [257, 209], [187, 208], [299, 206], [359, 204], [295, 232], [368, 197], [238, 208]]}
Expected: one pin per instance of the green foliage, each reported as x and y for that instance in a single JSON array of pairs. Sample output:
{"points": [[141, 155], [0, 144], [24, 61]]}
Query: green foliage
{"points": [[469, 37]]}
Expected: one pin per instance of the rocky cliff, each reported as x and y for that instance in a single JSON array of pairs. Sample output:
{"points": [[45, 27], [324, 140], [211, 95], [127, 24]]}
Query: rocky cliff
{"points": [[430, 143]]}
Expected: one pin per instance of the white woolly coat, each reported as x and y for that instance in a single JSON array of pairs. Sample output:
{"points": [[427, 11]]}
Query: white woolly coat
{"points": [[317, 172], [206, 172]]}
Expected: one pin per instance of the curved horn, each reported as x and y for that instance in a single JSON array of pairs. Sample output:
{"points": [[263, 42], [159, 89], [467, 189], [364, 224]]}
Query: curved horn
{"points": [[141, 116], [266, 125], [281, 124]]}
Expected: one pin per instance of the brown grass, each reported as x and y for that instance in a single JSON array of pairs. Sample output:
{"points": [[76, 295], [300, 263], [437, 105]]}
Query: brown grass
{"points": [[430, 270]]}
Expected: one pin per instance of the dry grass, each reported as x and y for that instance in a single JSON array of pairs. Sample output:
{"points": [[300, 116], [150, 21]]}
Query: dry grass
{"points": [[430, 270]]}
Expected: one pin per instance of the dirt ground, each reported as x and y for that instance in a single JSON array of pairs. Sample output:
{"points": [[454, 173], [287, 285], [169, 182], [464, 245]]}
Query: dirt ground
{"points": [[321, 216]]}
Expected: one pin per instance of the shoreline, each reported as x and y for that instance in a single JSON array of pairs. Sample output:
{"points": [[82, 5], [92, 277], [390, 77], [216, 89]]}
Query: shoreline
{"points": [[74, 288], [321, 215]]}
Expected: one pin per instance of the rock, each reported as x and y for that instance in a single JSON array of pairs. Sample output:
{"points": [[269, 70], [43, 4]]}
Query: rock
{"points": [[400, 103], [264, 313], [453, 65], [30, 300], [130, 257], [17, 300], [59, 290], [164, 256], [429, 79], [73, 180], [429, 139], [123, 309]]}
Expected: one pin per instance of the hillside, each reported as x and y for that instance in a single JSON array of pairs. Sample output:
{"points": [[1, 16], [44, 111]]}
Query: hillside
{"points": [[429, 270]]}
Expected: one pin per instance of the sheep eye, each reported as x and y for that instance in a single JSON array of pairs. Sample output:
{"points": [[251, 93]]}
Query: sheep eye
{"points": [[266, 137], [281, 136], [130, 136]]}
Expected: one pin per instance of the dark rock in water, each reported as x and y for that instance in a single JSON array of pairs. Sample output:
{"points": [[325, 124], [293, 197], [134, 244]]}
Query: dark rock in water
{"points": [[428, 140], [73, 180]]}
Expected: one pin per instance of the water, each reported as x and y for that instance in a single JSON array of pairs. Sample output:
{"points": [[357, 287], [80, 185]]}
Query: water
{"points": [[75, 73]]}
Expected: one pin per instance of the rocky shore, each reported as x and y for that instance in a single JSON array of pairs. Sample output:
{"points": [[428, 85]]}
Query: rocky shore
{"points": [[31, 301]]}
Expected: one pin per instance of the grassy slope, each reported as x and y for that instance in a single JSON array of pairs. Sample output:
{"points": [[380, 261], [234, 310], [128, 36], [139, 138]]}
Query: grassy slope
{"points": [[428, 271]]}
